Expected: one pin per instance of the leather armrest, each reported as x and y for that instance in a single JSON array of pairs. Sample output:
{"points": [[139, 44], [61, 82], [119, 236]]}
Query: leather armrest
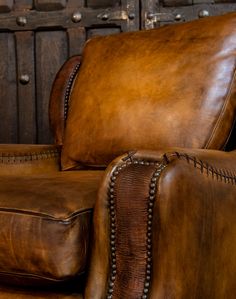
{"points": [[17, 159], [165, 226]]}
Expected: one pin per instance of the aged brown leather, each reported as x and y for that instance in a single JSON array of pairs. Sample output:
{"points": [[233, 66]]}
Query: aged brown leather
{"points": [[171, 86], [60, 95], [174, 228], [18, 159], [16, 293], [45, 225], [160, 220]]}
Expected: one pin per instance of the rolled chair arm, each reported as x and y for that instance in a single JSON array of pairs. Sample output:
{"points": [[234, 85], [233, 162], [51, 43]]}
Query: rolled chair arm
{"points": [[165, 227], [17, 159]]}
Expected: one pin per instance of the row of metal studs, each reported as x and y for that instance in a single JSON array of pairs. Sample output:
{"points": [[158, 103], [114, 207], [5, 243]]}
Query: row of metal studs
{"points": [[11, 158], [151, 199], [113, 227], [68, 89], [111, 195]]}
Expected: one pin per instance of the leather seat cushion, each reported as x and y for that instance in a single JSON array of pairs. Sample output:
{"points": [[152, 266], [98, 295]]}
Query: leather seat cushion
{"points": [[20, 293], [170, 86], [45, 226]]}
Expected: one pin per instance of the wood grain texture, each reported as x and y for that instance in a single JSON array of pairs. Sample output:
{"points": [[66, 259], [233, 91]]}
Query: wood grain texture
{"points": [[92, 32], [75, 3], [76, 40], [102, 3], [6, 5], [51, 52], [177, 3], [8, 95], [26, 91], [23, 4], [47, 5]]}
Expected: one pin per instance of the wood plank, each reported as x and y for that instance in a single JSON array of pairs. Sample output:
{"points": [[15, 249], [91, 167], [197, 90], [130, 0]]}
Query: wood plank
{"points": [[177, 2], [224, 1], [133, 22], [37, 20], [76, 3], [26, 90], [6, 5], [148, 6], [203, 1], [23, 4], [101, 31], [8, 94], [51, 52], [47, 5], [76, 38], [102, 3]]}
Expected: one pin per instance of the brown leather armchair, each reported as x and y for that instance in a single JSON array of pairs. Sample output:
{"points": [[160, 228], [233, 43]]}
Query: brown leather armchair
{"points": [[163, 224]]}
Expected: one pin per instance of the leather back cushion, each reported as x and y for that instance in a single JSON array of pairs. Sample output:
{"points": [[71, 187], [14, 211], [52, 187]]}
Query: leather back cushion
{"points": [[172, 86]]}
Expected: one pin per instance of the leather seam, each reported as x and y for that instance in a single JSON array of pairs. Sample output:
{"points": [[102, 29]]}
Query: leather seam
{"points": [[31, 275], [11, 158], [220, 116], [220, 174], [223, 175], [66, 220]]}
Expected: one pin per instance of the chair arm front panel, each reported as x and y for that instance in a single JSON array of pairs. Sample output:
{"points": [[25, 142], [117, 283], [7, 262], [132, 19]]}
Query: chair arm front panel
{"points": [[20, 159], [166, 224]]}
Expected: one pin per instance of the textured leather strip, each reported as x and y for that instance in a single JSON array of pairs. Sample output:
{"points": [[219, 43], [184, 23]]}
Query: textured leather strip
{"points": [[132, 194], [11, 158], [131, 258]]}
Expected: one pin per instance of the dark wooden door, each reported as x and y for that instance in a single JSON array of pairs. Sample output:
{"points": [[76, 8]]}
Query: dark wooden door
{"points": [[163, 12], [36, 37]]}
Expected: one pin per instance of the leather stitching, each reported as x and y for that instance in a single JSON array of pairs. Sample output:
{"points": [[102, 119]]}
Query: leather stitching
{"points": [[223, 175], [11, 158]]}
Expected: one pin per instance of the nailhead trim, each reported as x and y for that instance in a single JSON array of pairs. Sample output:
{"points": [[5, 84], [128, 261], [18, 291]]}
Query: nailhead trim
{"points": [[10, 158], [111, 195], [68, 88], [223, 175], [152, 196]]}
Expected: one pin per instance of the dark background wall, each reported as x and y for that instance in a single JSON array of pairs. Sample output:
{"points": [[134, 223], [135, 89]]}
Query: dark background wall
{"points": [[36, 37]]}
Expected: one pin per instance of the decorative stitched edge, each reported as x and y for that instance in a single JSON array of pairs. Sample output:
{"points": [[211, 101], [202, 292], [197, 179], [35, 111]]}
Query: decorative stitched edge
{"points": [[152, 194], [10, 158], [223, 175], [68, 88]]}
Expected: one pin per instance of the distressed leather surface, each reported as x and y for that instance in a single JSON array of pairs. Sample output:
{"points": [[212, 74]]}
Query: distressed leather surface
{"points": [[16, 293], [59, 98], [45, 226], [171, 86], [189, 232], [18, 159]]}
